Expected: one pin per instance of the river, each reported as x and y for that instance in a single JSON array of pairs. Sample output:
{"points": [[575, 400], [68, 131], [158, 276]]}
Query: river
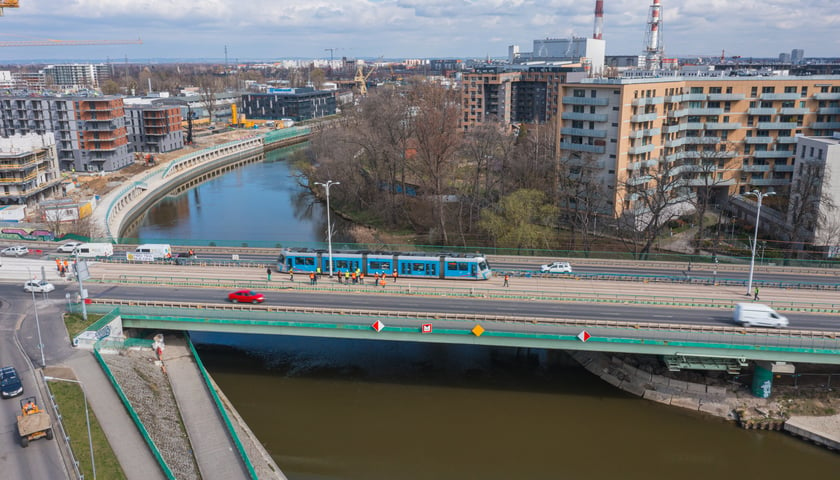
{"points": [[340, 409]]}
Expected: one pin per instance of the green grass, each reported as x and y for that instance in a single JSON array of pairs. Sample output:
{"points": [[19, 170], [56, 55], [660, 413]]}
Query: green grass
{"points": [[76, 324], [71, 404]]}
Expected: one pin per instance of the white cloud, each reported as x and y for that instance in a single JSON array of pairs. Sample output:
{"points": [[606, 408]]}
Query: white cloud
{"points": [[417, 28]]}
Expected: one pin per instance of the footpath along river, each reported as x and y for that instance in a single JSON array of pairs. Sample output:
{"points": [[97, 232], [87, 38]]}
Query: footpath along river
{"points": [[337, 409]]}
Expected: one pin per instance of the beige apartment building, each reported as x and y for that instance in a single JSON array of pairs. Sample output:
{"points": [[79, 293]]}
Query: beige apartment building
{"points": [[729, 133]]}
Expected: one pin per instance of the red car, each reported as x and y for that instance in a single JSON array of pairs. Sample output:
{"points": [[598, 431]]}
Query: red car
{"points": [[246, 296]]}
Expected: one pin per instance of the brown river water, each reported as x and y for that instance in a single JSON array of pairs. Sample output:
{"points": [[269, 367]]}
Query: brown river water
{"points": [[341, 409]]}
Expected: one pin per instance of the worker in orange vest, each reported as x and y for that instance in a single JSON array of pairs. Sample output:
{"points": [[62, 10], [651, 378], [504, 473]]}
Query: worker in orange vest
{"points": [[395, 276]]}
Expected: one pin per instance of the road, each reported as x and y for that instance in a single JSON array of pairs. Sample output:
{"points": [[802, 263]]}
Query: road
{"points": [[41, 459]]}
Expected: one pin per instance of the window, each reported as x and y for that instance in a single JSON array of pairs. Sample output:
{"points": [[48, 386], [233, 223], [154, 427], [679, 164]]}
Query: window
{"points": [[753, 91], [714, 89], [768, 89], [790, 89], [696, 90], [579, 93], [728, 89], [593, 93]]}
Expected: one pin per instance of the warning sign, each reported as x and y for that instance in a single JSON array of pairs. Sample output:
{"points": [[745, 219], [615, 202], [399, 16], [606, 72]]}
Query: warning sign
{"points": [[378, 326], [584, 336], [426, 328]]}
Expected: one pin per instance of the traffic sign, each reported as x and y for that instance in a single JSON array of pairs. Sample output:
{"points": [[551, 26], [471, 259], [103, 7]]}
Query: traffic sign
{"points": [[427, 328], [378, 326], [584, 336]]}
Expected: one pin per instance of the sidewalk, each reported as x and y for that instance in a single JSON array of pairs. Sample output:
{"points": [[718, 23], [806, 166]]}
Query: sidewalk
{"points": [[214, 450], [131, 450]]}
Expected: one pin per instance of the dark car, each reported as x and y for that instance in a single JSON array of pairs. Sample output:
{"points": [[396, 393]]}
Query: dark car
{"points": [[246, 296], [10, 385]]}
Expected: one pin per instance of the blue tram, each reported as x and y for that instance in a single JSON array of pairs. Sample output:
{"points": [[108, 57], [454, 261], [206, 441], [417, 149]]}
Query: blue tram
{"points": [[418, 265]]}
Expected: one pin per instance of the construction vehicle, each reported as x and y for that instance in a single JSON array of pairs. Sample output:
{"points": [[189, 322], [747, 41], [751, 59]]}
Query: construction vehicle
{"points": [[8, 4], [33, 423]]}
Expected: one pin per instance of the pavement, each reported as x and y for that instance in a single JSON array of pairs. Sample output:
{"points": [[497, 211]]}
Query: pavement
{"points": [[214, 449]]}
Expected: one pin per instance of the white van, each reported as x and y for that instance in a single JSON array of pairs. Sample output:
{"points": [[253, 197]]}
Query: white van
{"points": [[89, 250], [749, 314], [151, 251]]}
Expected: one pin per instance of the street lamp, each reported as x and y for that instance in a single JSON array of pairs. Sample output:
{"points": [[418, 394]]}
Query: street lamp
{"points": [[87, 418], [759, 195], [37, 322], [327, 186]]}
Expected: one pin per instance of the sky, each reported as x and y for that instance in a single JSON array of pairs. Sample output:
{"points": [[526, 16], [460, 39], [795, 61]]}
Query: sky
{"points": [[398, 29]]}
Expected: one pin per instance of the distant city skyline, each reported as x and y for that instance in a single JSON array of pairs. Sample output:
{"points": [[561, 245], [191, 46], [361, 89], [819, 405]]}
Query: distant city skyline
{"points": [[263, 29]]}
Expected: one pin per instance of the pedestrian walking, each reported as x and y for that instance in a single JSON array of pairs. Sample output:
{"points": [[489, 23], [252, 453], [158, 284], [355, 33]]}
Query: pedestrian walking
{"points": [[268, 273], [507, 280], [755, 297], [395, 276], [312, 278], [292, 276]]}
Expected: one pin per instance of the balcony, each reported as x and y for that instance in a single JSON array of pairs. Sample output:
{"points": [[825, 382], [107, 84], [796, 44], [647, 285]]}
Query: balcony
{"points": [[780, 96], [645, 133], [758, 140], [671, 129], [768, 181], [692, 126], [722, 126], [824, 125], [772, 154], [579, 147], [755, 168], [644, 117], [827, 96], [586, 101], [583, 132], [794, 111], [676, 156], [726, 97], [786, 140], [587, 117], [641, 149], [783, 168], [702, 111], [694, 97], [761, 111], [829, 111], [639, 180], [777, 125], [641, 102]]}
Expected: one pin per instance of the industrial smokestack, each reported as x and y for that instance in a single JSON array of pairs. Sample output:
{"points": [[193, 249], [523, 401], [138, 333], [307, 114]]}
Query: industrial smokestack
{"points": [[653, 42], [599, 20]]}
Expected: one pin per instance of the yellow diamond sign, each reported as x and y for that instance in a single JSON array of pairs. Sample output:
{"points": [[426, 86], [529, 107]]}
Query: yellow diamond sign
{"points": [[477, 330]]}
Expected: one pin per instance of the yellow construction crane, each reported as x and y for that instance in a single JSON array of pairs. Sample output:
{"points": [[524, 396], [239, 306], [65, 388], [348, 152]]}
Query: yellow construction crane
{"points": [[68, 43], [361, 77], [8, 4]]}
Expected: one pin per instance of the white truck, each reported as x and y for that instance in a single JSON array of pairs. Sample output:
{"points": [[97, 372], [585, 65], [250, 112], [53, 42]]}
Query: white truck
{"points": [[89, 250], [149, 252], [749, 314]]}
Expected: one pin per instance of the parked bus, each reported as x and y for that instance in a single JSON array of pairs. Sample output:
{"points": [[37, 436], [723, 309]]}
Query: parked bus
{"points": [[466, 266]]}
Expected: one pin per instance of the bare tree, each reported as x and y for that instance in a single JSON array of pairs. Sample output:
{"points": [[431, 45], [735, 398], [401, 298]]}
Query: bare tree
{"points": [[208, 86], [811, 209], [651, 199], [582, 197]]}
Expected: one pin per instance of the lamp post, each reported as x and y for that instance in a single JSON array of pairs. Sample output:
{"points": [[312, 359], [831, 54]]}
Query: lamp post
{"points": [[327, 186], [37, 322], [87, 418], [758, 195]]}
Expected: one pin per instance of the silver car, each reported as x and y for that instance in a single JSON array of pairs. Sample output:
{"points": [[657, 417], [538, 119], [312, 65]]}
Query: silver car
{"points": [[15, 251]]}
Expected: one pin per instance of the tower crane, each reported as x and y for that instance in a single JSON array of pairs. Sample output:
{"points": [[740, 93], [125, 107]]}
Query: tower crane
{"points": [[361, 77], [8, 4], [68, 43]]}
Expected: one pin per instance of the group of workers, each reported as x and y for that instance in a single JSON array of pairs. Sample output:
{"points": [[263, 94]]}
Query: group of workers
{"points": [[347, 277]]}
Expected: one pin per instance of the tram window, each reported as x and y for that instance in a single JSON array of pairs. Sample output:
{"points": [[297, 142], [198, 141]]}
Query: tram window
{"points": [[376, 265], [310, 261], [457, 266], [418, 267], [342, 264]]}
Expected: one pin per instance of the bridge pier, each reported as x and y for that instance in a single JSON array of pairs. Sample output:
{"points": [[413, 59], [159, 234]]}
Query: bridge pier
{"points": [[762, 383]]}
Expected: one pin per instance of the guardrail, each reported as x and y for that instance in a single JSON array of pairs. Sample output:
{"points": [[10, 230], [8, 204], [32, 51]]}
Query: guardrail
{"points": [[64, 435]]}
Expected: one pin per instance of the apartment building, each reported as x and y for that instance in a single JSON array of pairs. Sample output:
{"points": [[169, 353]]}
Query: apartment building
{"points": [[153, 128], [90, 132], [77, 75], [28, 169], [729, 133], [815, 189]]}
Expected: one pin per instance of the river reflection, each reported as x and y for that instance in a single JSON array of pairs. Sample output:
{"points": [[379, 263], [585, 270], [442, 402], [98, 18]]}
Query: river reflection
{"points": [[343, 409], [259, 204]]}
